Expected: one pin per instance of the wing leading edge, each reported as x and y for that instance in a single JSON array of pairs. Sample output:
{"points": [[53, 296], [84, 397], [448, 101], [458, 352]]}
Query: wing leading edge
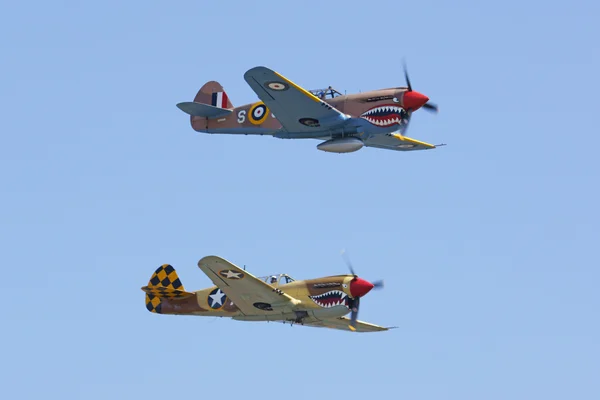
{"points": [[297, 109], [395, 141], [343, 323]]}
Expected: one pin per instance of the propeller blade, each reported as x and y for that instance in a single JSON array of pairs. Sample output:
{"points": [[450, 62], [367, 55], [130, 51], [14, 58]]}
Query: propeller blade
{"points": [[406, 76], [430, 107], [348, 263], [377, 284], [354, 314]]}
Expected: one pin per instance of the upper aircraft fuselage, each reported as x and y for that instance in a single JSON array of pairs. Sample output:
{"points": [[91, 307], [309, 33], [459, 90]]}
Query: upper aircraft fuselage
{"points": [[377, 118]]}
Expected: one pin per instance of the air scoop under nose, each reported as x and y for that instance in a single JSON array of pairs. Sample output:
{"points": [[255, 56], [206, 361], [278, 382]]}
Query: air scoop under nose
{"points": [[359, 287]]}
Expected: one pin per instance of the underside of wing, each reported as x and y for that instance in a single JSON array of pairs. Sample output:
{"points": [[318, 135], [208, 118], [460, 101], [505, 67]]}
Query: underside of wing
{"points": [[250, 294], [343, 323], [297, 109], [395, 141]]}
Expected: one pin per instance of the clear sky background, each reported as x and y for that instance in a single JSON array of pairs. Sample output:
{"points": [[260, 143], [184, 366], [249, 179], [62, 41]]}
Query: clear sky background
{"points": [[488, 246]]}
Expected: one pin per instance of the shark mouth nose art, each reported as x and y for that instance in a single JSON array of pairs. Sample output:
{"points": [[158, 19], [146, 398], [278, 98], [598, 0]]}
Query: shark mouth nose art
{"points": [[384, 116], [331, 299]]}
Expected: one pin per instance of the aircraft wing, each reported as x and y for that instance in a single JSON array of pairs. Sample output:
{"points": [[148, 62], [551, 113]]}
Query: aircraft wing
{"points": [[244, 289], [343, 323], [297, 109], [394, 141]]}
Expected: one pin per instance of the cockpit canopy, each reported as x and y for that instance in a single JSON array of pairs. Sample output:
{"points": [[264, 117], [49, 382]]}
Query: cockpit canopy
{"points": [[328, 93], [280, 279]]}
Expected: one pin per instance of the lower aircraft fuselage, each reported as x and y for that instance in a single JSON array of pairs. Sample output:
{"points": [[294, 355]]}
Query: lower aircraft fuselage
{"points": [[370, 113], [321, 298]]}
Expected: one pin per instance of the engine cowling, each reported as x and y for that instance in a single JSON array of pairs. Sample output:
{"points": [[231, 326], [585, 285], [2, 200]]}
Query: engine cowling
{"points": [[341, 145]]}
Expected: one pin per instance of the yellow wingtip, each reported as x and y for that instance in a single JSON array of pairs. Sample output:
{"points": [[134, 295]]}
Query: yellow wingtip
{"points": [[413, 141]]}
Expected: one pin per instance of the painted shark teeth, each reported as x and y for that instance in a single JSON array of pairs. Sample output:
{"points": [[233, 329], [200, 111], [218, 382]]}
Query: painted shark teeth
{"points": [[384, 115], [331, 299], [383, 109]]}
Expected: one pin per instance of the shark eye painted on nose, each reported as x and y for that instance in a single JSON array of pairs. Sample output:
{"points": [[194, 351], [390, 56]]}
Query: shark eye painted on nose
{"points": [[344, 285], [395, 100]]}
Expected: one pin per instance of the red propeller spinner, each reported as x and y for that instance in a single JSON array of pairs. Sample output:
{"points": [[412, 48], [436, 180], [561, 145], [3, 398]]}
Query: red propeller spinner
{"points": [[359, 287], [414, 100]]}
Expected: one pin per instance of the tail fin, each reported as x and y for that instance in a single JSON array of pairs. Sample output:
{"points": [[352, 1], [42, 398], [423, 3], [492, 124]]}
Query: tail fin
{"points": [[164, 283], [213, 94], [211, 101]]}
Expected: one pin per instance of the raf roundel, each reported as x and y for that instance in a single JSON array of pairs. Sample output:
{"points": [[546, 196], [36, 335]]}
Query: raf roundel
{"points": [[277, 85], [258, 113], [311, 122]]}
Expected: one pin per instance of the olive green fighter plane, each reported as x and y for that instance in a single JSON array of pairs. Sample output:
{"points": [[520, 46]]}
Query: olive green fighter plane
{"points": [[345, 123], [237, 294]]}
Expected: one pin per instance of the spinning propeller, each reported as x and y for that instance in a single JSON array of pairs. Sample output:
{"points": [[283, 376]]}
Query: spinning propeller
{"points": [[412, 100], [358, 288]]}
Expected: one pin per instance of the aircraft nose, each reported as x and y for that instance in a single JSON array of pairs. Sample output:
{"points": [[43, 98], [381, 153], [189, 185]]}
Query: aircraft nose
{"points": [[414, 100], [359, 287]]}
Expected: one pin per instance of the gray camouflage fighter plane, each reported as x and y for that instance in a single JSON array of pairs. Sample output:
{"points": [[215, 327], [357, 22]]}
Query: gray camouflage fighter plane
{"points": [[345, 123]]}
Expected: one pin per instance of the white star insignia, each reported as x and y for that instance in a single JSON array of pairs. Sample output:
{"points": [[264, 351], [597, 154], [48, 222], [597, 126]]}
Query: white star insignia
{"points": [[217, 298], [232, 274]]}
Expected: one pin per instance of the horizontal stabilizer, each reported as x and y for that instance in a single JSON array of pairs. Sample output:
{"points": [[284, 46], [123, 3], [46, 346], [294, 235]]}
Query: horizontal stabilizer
{"points": [[202, 110], [161, 291]]}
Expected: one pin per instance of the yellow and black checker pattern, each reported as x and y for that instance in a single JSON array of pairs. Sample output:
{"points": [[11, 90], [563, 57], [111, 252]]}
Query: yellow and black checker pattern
{"points": [[163, 283], [166, 277], [153, 303], [165, 292]]}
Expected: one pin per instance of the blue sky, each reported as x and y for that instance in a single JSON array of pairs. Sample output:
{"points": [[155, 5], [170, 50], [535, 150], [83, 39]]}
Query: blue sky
{"points": [[487, 246]]}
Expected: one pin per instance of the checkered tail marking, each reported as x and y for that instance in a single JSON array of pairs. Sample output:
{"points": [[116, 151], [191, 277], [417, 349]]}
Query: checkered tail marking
{"points": [[163, 283]]}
